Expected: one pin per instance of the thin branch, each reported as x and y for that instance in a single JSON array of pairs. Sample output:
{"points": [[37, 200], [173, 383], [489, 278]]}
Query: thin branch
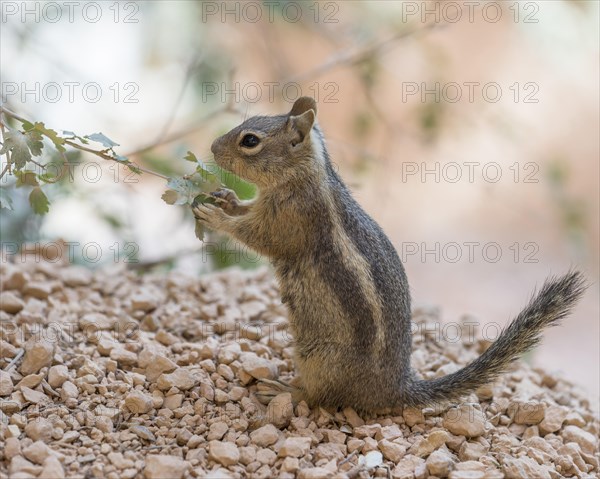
{"points": [[104, 156], [192, 65], [15, 360], [351, 58], [77, 146]]}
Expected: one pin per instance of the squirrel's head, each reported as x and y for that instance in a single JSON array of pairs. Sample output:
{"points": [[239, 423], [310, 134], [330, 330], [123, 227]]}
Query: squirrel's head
{"points": [[265, 149]]}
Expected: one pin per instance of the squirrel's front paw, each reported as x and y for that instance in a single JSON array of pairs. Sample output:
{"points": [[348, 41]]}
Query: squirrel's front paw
{"points": [[228, 201], [212, 216]]}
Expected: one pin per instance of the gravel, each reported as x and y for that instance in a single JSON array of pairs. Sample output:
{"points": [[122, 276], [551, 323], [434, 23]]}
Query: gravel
{"points": [[114, 375]]}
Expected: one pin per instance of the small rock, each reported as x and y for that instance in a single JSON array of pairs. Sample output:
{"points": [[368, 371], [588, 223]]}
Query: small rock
{"points": [[144, 300], [6, 384], [123, 356], [554, 417], [429, 444], [465, 420], [528, 413], [39, 430], [439, 463], [68, 390], [586, 440], [259, 368], [37, 289], [159, 365], [409, 467], [57, 375], [10, 302], [164, 467], [217, 431], [37, 452], [413, 416], [353, 418], [76, 276], [34, 396], [280, 410], [373, 459], [38, 354], [12, 447], [138, 402], [264, 436], [391, 451], [92, 322], [295, 447], [472, 451], [143, 432], [523, 468], [52, 469], [314, 473], [225, 453], [173, 401], [182, 379]]}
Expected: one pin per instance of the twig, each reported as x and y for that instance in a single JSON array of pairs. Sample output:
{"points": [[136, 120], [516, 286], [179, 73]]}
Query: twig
{"points": [[103, 155], [188, 74], [77, 146], [15, 359], [6, 168], [356, 56]]}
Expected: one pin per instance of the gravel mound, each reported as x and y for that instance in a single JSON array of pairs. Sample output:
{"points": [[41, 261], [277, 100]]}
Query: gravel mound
{"points": [[114, 375]]}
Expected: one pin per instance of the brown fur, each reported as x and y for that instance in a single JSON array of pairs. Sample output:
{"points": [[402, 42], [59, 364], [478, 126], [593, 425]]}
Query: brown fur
{"points": [[341, 278]]}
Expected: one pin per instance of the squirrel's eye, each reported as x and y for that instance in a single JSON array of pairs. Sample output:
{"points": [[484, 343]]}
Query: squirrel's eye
{"points": [[250, 141]]}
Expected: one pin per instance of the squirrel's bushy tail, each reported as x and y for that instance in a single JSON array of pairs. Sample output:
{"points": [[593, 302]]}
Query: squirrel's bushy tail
{"points": [[547, 308]]}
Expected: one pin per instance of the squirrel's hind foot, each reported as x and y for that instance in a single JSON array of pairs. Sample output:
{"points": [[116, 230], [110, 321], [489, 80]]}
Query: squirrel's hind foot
{"points": [[269, 388]]}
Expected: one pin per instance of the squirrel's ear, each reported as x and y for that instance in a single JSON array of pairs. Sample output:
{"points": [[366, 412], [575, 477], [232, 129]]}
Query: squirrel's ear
{"points": [[302, 105], [300, 125]]}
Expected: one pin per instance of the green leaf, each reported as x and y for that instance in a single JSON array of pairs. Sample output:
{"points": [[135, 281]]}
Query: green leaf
{"points": [[121, 158], [49, 133], [101, 138], [190, 157], [26, 178], [22, 146], [38, 201], [5, 199]]}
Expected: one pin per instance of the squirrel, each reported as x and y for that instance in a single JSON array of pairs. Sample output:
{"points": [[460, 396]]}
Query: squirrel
{"points": [[340, 277]]}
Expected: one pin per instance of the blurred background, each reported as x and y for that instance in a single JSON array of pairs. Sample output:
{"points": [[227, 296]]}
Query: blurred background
{"points": [[468, 130]]}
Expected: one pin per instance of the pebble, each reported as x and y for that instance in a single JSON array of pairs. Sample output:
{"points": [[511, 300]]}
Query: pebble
{"points": [[6, 384], [37, 452], [57, 375], [182, 379], [465, 420], [554, 416], [225, 453], [39, 430], [10, 302], [38, 354], [217, 430], [295, 447], [523, 468], [587, 441], [138, 402], [164, 467], [37, 289], [264, 436], [391, 451], [280, 410], [159, 365], [259, 368], [439, 463]]}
